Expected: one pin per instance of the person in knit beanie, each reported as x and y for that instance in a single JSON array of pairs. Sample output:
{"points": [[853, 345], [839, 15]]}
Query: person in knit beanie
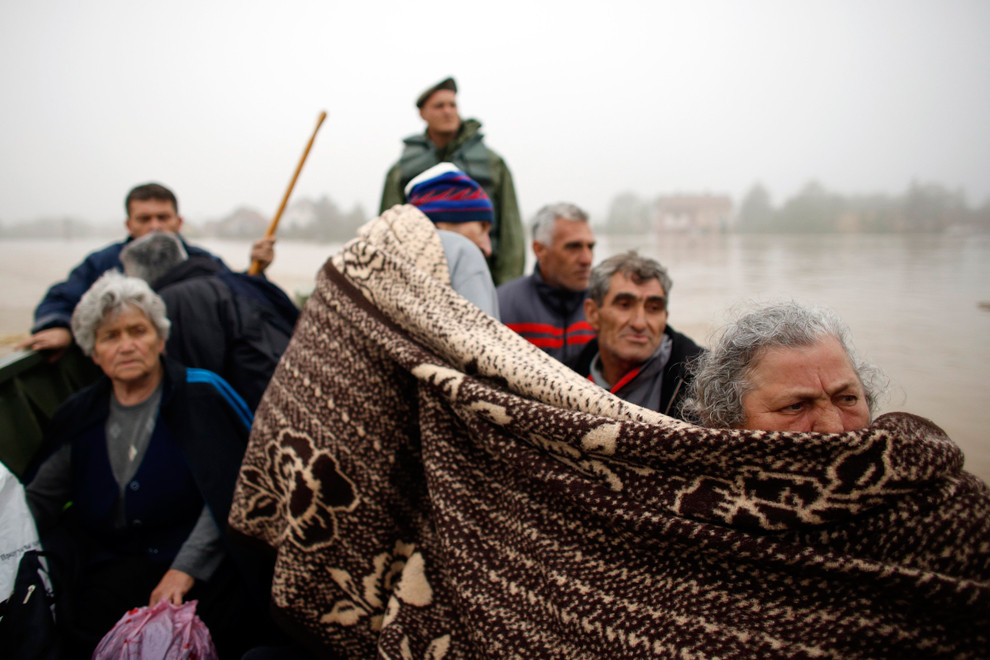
{"points": [[454, 202], [462, 213]]}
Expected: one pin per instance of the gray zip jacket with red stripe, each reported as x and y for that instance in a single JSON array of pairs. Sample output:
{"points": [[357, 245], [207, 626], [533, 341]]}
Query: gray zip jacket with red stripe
{"points": [[675, 375], [551, 318]]}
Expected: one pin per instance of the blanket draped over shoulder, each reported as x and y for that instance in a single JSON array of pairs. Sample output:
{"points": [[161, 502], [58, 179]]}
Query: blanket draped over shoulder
{"points": [[435, 486]]}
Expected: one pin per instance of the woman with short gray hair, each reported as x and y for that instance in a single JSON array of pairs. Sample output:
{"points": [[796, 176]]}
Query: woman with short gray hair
{"points": [[110, 295], [148, 456], [784, 366]]}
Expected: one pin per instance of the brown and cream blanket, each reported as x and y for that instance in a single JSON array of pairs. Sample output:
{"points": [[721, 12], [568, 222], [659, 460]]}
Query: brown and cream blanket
{"points": [[434, 486]]}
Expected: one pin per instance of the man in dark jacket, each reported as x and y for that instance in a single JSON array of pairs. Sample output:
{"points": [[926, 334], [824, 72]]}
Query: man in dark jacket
{"points": [[547, 306], [636, 356], [448, 139], [150, 207], [233, 324]]}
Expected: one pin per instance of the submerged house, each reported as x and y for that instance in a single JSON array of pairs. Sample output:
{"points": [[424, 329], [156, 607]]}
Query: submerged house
{"points": [[693, 213]]}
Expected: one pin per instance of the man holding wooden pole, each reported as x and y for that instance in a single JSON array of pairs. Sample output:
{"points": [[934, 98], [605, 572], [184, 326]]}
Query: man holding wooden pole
{"points": [[150, 207]]}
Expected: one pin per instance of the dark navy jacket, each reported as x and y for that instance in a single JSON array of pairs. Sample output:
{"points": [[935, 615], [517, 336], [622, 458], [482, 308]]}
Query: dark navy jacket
{"points": [[55, 309], [194, 457], [233, 324]]}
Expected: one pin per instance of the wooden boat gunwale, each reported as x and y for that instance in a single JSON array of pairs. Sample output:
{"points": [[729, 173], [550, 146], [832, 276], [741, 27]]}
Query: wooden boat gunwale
{"points": [[31, 390]]}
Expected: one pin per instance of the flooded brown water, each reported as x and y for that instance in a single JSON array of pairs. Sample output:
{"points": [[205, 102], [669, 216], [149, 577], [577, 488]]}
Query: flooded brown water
{"points": [[913, 303]]}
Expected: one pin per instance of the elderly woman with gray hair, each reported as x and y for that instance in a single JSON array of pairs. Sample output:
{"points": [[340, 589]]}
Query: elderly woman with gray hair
{"points": [[783, 367], [141, 472]]}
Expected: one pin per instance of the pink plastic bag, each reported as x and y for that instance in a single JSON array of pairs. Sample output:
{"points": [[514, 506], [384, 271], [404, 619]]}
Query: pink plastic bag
{"points": [[162, 632]]}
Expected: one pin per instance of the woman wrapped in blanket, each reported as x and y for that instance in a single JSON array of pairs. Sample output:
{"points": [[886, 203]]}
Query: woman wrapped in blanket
{"points": [[784, 367]]}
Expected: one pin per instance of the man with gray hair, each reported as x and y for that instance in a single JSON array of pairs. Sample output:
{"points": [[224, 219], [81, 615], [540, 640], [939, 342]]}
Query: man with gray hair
{"points": [[636, 356], [233, 324], [152, 256], [547, 307], [784, 367]]}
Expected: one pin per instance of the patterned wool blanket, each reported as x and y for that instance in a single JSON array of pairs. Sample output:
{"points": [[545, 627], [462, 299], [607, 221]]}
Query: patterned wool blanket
{"points": [[435, 486]]}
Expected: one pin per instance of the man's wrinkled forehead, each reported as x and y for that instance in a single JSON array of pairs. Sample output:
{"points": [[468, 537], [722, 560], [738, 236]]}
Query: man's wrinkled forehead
{"points": [[622, 282]]}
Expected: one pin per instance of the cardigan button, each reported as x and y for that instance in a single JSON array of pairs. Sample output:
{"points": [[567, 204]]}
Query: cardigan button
{"points": [[134, 485]]}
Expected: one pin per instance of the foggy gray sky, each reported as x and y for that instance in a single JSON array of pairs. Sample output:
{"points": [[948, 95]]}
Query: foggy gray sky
{"points": [[584, 100]]}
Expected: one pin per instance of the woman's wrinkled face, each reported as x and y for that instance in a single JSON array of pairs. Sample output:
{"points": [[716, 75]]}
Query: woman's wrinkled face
{"points": [[810, 388], [127, 346]]}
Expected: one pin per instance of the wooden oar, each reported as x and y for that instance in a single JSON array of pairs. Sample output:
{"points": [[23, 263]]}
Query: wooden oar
{"points": [[273, 225]]}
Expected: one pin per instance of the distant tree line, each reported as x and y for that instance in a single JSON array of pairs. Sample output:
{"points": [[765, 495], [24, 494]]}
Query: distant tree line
{"points": [[62, 228], [629, 214], [320, 221], [924, 207]]}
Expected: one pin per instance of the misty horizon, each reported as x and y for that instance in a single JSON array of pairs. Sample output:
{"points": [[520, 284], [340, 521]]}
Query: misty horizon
{"points": [[598, 216], [216, 100], [923, 207]]}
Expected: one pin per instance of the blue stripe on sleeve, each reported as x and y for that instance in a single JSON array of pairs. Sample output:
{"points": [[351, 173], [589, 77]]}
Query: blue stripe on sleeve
{"points": [[222, 386]]}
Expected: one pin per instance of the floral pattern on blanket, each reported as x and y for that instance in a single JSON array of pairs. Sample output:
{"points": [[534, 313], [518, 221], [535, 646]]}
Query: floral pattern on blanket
{"points": [[301, 485]]}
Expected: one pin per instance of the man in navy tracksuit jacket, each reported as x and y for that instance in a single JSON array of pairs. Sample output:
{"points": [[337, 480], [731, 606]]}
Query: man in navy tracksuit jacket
{"points": [[150, 207]]}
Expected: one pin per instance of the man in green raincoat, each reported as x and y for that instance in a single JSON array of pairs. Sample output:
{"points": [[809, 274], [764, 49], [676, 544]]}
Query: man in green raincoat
{"points": [[448, 139]]}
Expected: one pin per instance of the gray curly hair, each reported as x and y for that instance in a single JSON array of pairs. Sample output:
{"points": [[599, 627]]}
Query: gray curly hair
{"points": [[153, 255], [721, 375], [639, 268], [108, 296]]}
